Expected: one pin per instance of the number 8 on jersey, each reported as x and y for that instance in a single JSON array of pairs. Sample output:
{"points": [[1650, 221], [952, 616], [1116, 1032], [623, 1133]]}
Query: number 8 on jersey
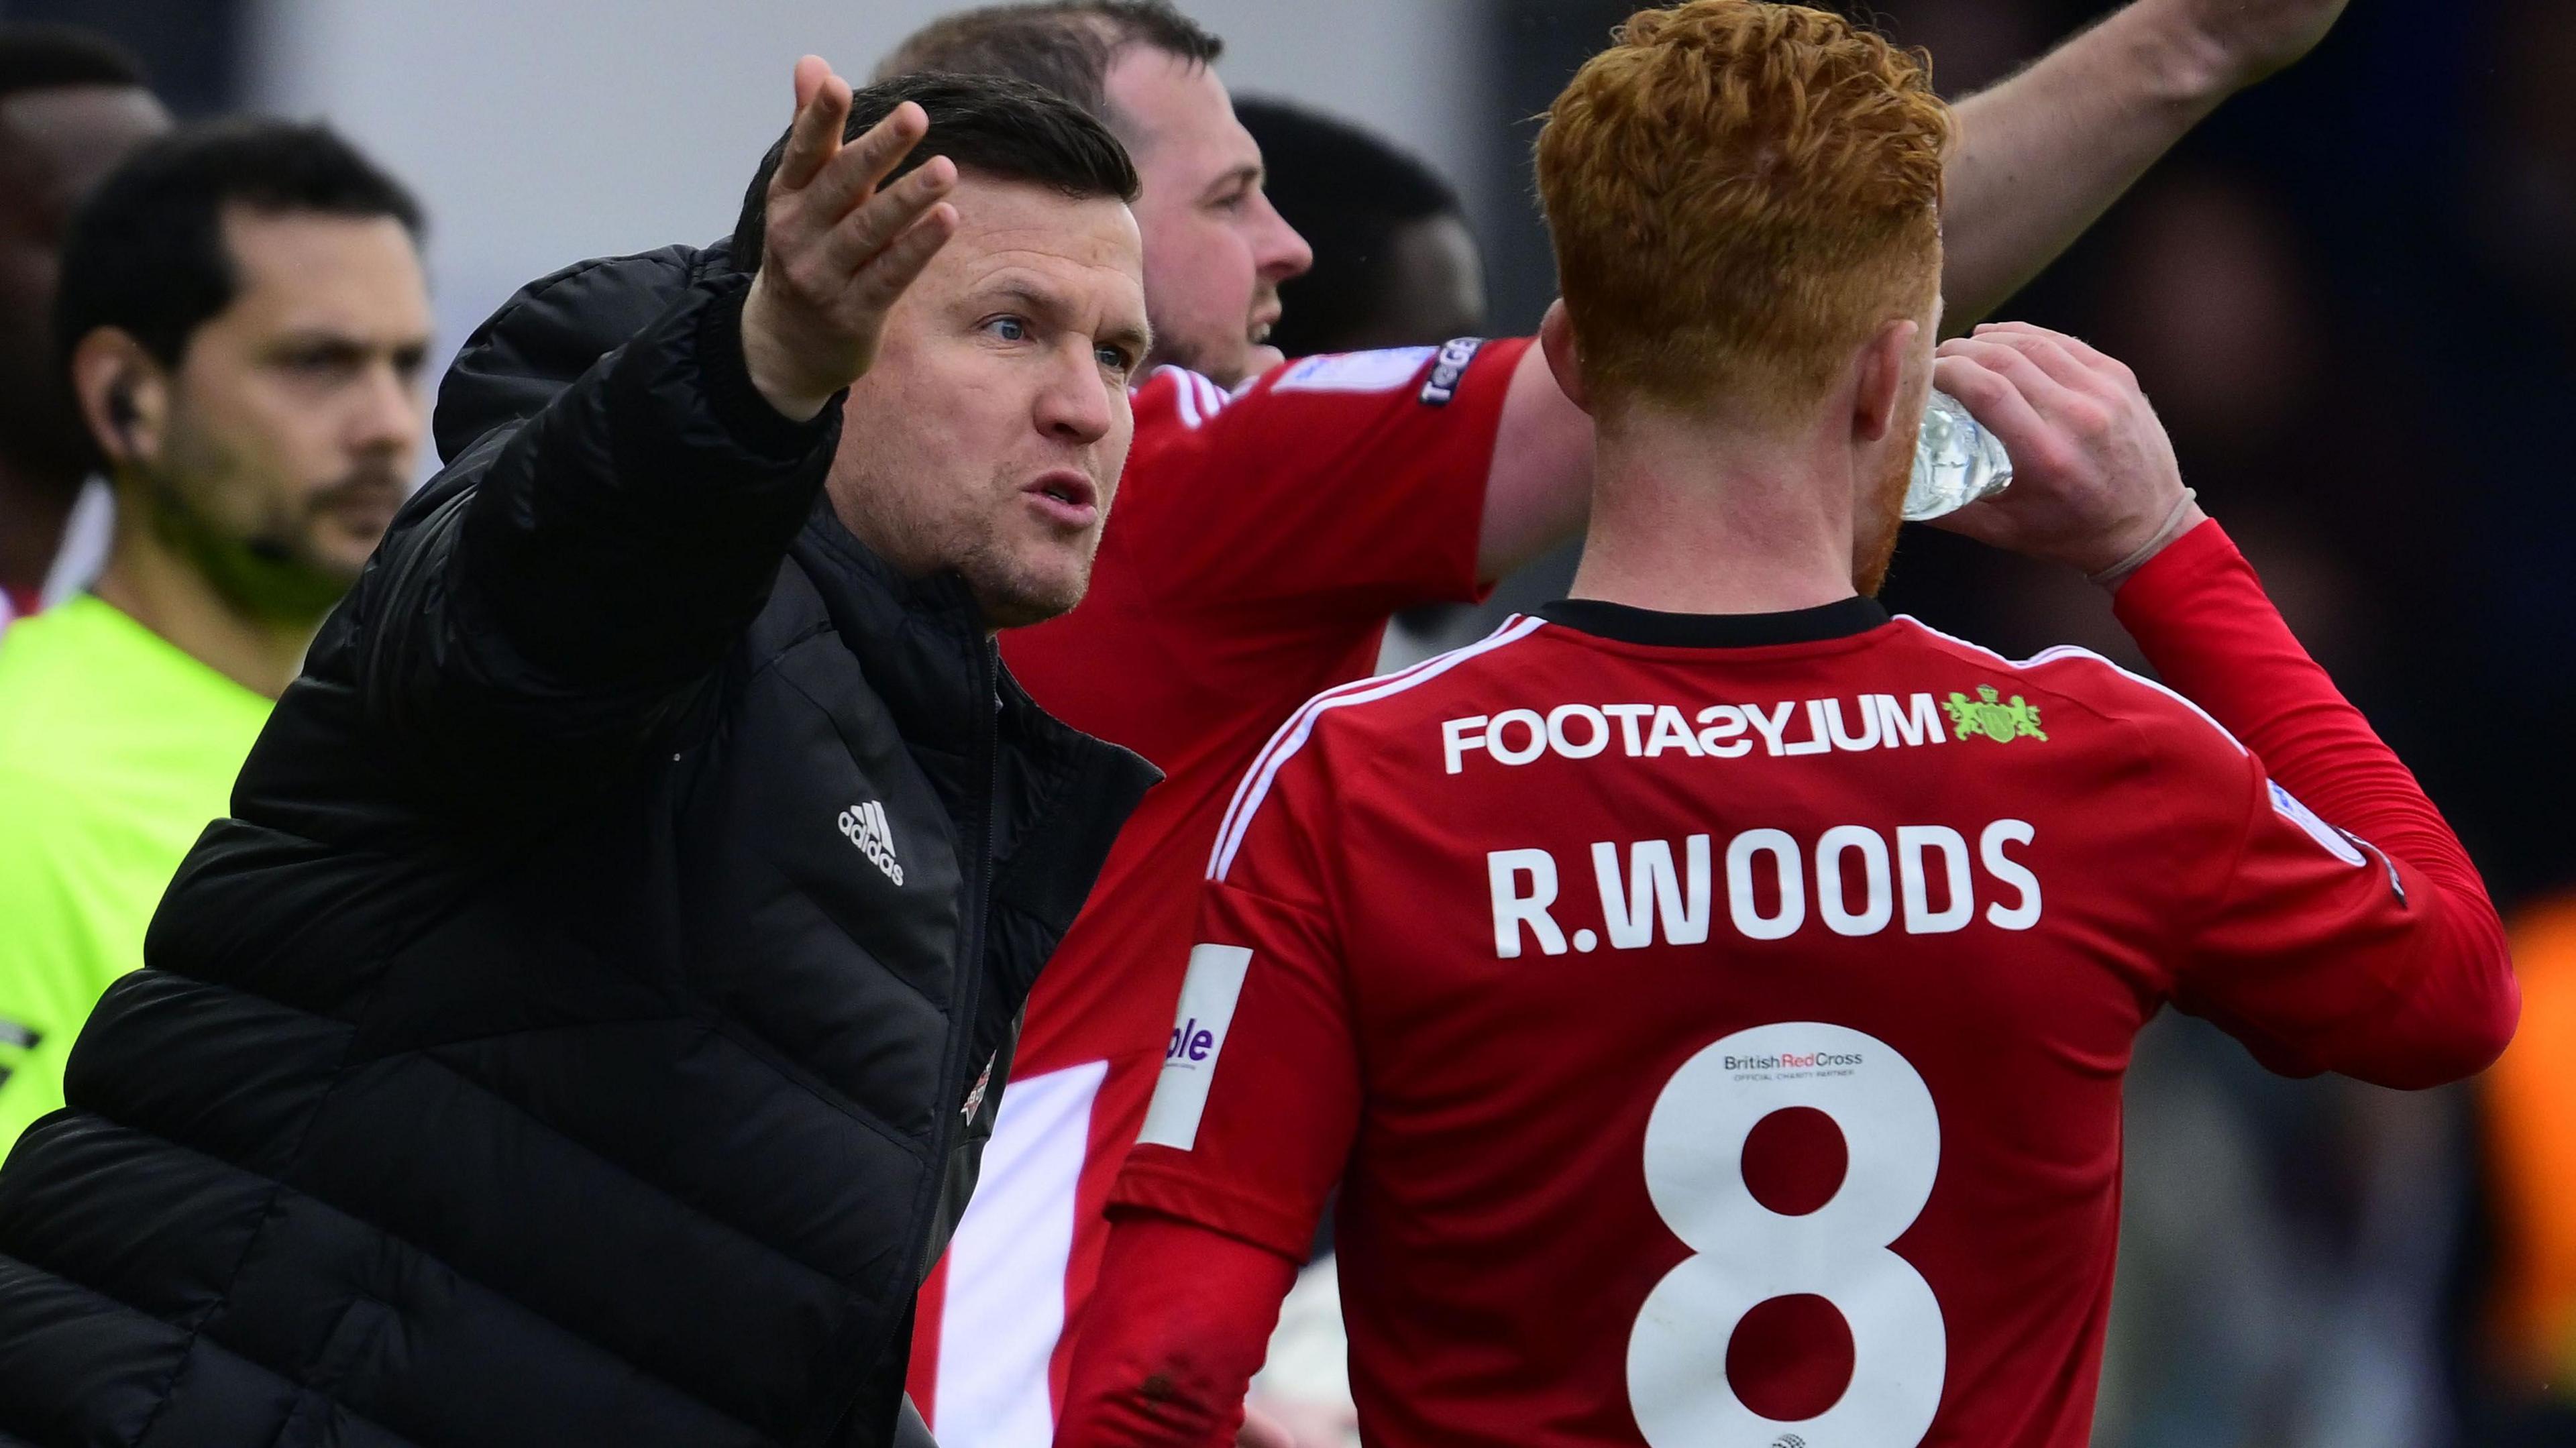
{"points": [[1748, 1254]]}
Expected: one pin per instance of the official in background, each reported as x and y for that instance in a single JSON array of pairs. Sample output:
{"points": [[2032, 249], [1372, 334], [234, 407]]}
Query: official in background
{"points": [[72, 104], [242, 319], [585, 1029]]}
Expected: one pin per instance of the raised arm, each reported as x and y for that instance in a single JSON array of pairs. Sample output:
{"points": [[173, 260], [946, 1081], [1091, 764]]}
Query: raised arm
{"points": [[2041, 155], [571, 581], [2348, 929], [2415, 960]]}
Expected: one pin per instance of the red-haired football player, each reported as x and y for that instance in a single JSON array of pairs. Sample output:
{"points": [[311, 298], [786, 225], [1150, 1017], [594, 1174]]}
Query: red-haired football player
{"points": [[1711, 993], [1274, 514]]}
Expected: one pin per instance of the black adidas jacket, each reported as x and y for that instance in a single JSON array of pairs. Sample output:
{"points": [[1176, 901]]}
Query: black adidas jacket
{"points": [[584, 1031]]}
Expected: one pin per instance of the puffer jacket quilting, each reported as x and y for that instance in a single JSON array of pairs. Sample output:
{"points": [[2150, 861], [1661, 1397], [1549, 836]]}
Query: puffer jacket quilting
{"points": [[575, 1036]]}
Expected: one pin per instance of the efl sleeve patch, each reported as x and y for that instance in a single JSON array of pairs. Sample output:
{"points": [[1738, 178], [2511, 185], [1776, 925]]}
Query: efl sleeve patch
{"points": [[1450, 370], [1208, 996], [1382, 371]]}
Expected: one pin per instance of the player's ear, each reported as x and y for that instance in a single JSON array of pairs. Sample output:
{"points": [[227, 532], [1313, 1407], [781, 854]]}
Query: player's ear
{"points": [[1881, 379], [123, 393], [1556, 341]]}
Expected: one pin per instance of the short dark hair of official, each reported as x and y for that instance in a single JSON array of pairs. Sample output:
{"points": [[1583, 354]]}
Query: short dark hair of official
{"points": [[1065, 46], [146, 253], [1347, 192], [991, 124], [36, 57]]}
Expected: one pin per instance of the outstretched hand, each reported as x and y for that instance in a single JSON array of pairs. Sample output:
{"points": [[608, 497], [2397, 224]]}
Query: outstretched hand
{"points": [[2094, 477], [840, 248]]}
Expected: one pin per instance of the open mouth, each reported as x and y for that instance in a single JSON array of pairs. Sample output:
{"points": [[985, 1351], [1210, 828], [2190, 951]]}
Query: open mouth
{"points": [[1065, 496]]}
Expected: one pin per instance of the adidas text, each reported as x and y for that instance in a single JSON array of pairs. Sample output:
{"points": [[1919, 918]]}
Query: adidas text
{"points": [[866, 826]]}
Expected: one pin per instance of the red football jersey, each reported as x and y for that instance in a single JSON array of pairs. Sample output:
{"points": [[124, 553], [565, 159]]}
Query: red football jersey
{"points": [[1717, 1024], [1256, 547]]}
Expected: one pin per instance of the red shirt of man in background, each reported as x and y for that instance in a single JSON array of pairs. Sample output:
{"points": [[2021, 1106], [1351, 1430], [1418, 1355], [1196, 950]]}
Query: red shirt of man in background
{"points": [[1238, 579], [1713, 995]]}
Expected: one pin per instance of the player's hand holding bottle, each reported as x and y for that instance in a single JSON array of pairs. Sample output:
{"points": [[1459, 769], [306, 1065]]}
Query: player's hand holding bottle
{"points": [[839, 248], [2095, 484]]}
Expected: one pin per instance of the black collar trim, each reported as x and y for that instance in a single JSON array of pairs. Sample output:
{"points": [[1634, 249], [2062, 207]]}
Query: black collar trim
{"points": [[1618, 621]]}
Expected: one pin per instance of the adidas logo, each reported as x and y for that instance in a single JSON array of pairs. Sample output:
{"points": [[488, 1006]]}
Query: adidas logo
{"points": [[866, 826]]}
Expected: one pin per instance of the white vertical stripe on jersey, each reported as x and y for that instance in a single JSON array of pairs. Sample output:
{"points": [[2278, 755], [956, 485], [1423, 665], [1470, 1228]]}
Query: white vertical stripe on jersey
{"points": [[1183, 393], [1292, 735], [2070, 651], [1006, 1267], [1243, 786]]}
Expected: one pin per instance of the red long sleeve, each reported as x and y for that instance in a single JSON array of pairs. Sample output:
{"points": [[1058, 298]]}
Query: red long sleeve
{"points": [[2202, 617], [1178, 1325]]}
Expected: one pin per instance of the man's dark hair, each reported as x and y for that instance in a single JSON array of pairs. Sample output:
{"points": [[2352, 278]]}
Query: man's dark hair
{"points": [[1065, 46], [53, 57], [146, 253], [1347, 192], [992, 124]]}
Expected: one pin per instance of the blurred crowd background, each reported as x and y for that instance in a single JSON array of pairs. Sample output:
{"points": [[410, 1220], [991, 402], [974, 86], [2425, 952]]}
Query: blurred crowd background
{"points": [[2352, 296]]}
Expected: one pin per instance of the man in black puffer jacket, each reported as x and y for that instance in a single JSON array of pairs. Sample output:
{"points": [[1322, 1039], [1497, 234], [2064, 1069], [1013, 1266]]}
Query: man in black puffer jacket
{"points": [[583, 1032]]}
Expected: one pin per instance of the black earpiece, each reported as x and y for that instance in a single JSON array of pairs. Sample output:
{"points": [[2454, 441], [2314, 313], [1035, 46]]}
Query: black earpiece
{"points": [[122, 413]]}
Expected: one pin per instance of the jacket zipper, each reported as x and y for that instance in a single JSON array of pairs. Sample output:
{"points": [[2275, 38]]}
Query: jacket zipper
{"points": [[971, 958]]}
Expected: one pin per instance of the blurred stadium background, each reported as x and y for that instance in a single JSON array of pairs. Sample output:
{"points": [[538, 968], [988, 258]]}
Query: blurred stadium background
{"points": [[2352, 296]]}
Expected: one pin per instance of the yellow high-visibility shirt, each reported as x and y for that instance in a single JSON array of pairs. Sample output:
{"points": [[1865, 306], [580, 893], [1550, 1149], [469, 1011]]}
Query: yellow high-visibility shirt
{"points": [[116, 749]]}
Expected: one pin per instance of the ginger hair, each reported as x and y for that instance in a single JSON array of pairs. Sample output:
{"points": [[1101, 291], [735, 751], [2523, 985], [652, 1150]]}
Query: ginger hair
{"points": [[1740, 194]]}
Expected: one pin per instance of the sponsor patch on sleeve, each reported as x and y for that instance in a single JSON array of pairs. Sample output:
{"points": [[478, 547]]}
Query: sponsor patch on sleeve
{"points": [[2335, 841], [1208, 995], [1446, 373], [1382, 371]]}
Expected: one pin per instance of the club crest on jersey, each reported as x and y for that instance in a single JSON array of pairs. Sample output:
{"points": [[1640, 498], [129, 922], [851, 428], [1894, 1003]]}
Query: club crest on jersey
{"points": [[2000, 722]]}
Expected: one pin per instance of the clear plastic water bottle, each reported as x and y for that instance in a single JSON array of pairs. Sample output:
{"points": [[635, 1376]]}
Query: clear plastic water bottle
{"points": [[1956, 461]]}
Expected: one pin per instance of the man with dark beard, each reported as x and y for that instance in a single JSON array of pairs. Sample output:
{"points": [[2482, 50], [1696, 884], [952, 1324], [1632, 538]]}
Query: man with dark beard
{"points": [[242, 320]]}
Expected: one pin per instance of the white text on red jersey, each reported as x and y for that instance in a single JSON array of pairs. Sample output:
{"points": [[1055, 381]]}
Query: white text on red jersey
{"points": [[1920, 882], [1718, 731]]}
